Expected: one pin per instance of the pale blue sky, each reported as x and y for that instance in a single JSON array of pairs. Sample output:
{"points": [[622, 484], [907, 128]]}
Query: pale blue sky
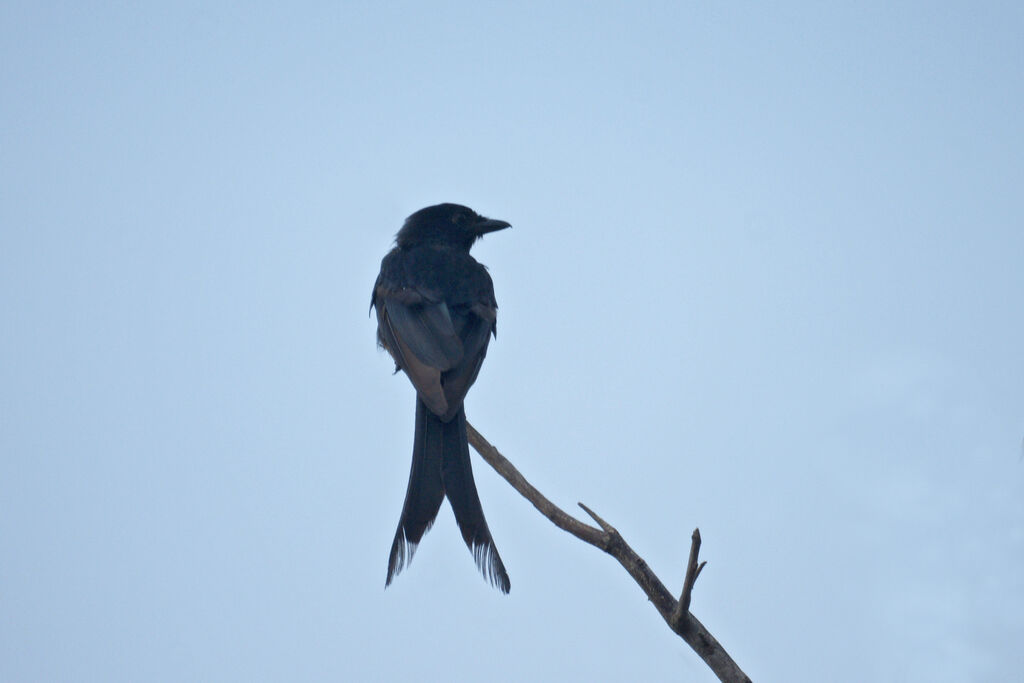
{"points": [[791, 316]]}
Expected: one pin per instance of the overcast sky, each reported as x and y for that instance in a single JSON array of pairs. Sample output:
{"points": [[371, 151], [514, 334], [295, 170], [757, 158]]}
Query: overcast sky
{"points": [[765, 278]]}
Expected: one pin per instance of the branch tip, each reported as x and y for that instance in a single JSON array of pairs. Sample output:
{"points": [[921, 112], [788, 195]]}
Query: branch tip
{"points": [[692, 572], [608, 528]]}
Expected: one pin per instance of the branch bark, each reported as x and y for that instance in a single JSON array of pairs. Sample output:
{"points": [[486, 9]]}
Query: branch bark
{"points": [[676, 613]]}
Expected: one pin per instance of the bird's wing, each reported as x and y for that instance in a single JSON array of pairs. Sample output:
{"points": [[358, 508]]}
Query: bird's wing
{"points": [[425, 326], [437, 325], [420, 336], [475, 326]]}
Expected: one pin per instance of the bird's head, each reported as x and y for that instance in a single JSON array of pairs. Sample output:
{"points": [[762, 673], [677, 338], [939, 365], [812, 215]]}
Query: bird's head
{"points": [[446, 224]]}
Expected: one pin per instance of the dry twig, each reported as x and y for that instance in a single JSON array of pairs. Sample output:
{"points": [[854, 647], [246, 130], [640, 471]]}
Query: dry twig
{"points": [[676, 613]]}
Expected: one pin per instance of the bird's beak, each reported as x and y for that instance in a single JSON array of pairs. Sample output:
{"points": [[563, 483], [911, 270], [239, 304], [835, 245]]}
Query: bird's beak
{"points": [[487, 225]]}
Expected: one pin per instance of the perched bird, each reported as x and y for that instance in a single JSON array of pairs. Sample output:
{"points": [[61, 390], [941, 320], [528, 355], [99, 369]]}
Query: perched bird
{"points": [[436, 314]]}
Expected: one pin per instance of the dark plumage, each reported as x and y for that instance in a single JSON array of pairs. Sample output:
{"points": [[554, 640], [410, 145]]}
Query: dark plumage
{"points": [[436, 314]]}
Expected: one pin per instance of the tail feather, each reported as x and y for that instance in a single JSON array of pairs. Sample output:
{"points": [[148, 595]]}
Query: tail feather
{"points": [[425, 492], [457, 475], [440, 467]]}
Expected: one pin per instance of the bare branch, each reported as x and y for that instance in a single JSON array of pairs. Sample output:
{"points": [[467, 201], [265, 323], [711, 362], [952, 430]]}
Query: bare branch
{"points": [[507, 470], [692, 572], [675, 613]]}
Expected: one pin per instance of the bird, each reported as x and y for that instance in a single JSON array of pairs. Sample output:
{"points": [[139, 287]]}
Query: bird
{"points": [[436, 314]]}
